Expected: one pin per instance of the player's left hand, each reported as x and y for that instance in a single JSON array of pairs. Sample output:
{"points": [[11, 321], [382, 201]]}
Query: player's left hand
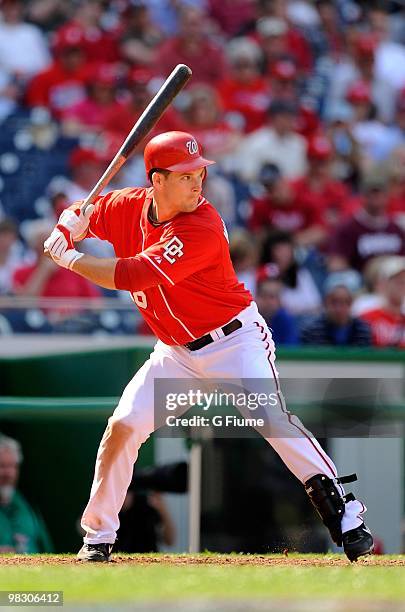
{"points": [[61, 248], [76, 221]]}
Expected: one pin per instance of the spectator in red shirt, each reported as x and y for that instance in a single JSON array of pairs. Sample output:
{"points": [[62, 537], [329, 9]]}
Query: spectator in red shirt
{"points": [[93, 113], [63, 84], [45, 279], [98, 45], [204, 118], [388, 322], [192, 47], [277, 208], [318, 190], [368, 232], [245, 92]]}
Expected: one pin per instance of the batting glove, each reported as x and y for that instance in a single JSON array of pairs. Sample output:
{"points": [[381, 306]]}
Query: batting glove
{"points": [[61, 248], [76, 221]]}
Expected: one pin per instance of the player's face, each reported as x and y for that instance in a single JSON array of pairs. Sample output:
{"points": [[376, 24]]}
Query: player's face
{"points": [[184, 188]]}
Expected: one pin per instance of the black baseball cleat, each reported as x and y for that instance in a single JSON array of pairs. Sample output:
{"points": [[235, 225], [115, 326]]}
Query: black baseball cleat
{"points": [[99, 553], [358, 542]]}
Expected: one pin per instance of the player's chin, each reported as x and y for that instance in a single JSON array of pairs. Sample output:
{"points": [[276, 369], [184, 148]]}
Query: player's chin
{"points": [[192, 204]]}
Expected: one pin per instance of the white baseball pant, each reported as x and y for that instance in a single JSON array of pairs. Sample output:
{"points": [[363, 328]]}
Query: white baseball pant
{"points": [[247, 353]]}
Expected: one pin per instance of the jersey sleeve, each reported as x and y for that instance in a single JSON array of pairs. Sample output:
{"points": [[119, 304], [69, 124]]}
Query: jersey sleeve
{"points": [[179, 254], [105, 219]]}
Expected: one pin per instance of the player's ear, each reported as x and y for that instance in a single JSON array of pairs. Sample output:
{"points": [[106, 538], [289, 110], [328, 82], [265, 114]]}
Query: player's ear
{"points": [[158, 178]]}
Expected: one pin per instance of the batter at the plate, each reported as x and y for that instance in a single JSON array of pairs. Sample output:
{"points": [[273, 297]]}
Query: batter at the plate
{"points": [[172, 255]]}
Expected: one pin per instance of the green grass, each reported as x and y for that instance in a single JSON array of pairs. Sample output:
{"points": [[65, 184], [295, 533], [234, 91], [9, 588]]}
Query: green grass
{"points": [[124, 583]]}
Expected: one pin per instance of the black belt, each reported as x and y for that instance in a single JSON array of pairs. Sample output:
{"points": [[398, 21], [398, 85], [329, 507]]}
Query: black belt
{"points": [[198, 344]]}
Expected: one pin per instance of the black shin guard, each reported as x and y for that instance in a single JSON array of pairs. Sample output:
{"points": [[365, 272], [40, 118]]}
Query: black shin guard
{"points": [[329, 502]]}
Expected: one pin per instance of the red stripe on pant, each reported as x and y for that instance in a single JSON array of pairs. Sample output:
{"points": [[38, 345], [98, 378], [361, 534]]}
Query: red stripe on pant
{"points": [[285, 411]]}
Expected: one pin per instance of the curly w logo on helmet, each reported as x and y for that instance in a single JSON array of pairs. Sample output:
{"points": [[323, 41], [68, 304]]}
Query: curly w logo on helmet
{"points": [[192, 147]]}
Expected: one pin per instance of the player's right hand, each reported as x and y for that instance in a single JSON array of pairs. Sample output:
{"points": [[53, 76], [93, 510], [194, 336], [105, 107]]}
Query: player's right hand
{"points": [[75, 221], [61, 248]]}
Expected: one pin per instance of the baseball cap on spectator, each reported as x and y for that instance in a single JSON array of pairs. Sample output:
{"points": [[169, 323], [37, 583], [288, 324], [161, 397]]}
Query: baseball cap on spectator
{"points": [[268, 271], [139, 77], [365, 44], [391, 266], [81, 155], [65, 39], [278, 107], [271, 26], [284, 70], [269, 174], [243, 48], [349, 279], [319, 148], [359, 93], [103, 74]]}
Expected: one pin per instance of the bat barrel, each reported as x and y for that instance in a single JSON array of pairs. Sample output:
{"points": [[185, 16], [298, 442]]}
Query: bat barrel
{"points": [[150, 116], [156, 107]]}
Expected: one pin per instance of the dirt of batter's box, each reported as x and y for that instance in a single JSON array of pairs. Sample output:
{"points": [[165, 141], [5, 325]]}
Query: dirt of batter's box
{"points": [[172, 559]]}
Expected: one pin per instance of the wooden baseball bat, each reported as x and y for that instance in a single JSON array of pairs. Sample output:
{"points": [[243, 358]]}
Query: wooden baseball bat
{"points": [[150, 116]]}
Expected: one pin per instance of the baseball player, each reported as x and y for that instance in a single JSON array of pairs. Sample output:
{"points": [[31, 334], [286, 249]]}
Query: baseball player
{"points": [[172, 255]]}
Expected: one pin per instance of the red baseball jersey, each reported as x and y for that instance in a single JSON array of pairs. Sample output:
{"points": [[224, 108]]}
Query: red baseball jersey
{"points": [[179, 273], [387, 328]]}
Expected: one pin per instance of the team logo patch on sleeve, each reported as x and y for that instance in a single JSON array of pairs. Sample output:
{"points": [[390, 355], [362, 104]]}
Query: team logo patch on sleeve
{"points": [[173, 249]]}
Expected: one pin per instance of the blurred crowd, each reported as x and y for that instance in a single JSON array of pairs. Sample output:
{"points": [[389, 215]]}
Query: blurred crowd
{"points": [[300, 102]]}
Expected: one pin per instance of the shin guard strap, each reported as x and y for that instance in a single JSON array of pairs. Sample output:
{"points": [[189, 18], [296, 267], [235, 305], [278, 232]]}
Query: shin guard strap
{"points": [[328, 502]]}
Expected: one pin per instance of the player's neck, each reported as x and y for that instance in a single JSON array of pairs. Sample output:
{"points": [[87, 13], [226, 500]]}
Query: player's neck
{"points": [[163, 211]]}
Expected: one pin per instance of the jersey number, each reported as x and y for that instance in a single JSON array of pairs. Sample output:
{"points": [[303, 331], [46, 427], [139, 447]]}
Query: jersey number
{"points": [[140, 299]]}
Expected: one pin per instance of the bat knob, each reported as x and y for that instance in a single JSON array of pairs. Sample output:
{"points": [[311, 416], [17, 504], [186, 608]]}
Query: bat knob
{"points": [[184, 69]]}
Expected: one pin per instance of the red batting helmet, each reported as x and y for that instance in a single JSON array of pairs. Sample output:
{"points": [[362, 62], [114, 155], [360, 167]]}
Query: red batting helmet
{"points": [[175, 151]]}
